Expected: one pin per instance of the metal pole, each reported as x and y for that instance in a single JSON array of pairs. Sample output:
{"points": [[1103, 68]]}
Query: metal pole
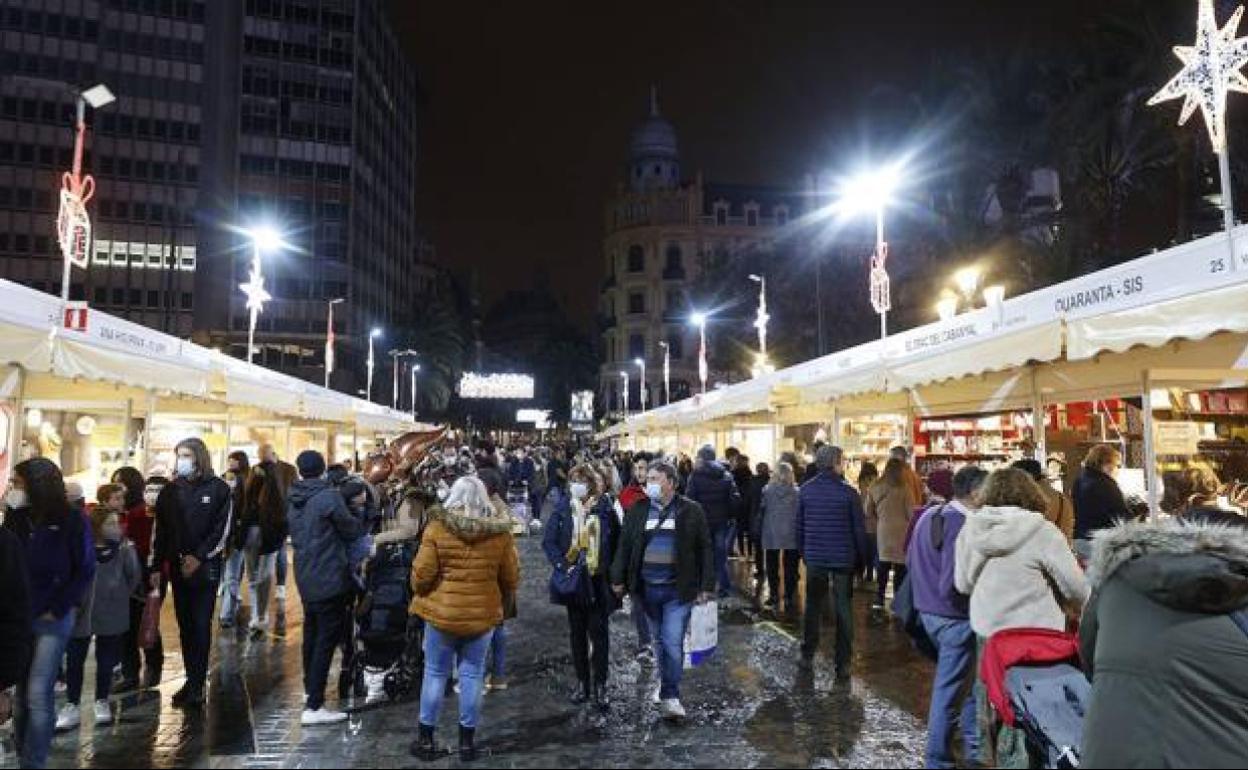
{"points": [[1228, 205], [703, 370], [667, 369], [394, 389], [879, 250], [1150, 450], [415, 368], [329, 343], [255, 311], [1039, 420], [369, 389], [642, 385]]}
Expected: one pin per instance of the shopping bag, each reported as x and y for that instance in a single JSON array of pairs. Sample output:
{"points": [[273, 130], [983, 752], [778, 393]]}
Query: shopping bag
{"points": [[149, 626], [702, 635]]}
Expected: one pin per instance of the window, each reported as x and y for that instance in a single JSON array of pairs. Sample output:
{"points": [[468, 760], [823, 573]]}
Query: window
{"points": [[636, 259], [101, 295], [751, 218], [721, 214], [186, 300], [153, 298], [136, 297], [119, 296], [636, 346], [675, 303], [636, 303]]}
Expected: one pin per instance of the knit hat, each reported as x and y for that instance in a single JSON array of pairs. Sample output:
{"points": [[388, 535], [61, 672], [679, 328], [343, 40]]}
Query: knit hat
{"points": [[706, 453], [311, 464]]}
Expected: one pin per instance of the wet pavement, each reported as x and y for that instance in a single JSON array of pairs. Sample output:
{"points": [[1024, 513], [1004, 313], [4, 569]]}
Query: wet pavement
{"points": [[748, 707]]}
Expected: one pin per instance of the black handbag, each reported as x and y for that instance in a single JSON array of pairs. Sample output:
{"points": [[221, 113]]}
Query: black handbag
{"points": [[570, 586]]}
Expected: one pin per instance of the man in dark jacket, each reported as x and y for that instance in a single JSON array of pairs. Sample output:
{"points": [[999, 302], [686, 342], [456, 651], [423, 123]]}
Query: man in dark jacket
{"points": [[711, 487], [193, 516], [321, 529], [832, 540], [14, 617], [1162, 641], [632, 494], [664, 557], [1099, 503]]}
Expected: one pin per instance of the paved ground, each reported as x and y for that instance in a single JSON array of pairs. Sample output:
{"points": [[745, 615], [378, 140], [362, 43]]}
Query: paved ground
{"points": [[749, 707]]}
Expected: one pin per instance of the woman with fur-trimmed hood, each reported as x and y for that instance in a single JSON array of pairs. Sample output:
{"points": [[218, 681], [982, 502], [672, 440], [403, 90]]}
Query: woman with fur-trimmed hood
{"points": [[1160, 641]]}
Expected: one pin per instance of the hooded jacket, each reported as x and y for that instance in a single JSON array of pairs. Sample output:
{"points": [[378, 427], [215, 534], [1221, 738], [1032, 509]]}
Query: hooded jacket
{"points": [[778, 511], [1017, 569], [466, 565], [1169, 667], [321, 530], [711, 486]]}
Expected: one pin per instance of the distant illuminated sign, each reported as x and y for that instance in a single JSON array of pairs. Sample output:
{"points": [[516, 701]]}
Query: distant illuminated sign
{"points": [[583, 410], [539, 417], [473, 385]]}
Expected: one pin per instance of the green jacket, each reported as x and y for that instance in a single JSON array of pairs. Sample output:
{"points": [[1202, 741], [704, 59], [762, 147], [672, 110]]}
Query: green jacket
{"points": [[695, 572], [1169, 666]]}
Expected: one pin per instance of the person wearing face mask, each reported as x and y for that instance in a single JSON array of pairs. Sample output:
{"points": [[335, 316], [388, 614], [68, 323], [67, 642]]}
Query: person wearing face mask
{"points": [[584, 525], [104, 615], [193, 516], [235, 475], [138, 530], [261, 533], [285, 475], [60, 563], [1099, 503]]}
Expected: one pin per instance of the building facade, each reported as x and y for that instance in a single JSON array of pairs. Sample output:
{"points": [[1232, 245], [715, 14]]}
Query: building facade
{"points": [[662, 233], [143, 149]]}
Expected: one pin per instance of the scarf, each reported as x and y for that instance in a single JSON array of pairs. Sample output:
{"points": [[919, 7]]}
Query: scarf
{"points": [[585, 534]]}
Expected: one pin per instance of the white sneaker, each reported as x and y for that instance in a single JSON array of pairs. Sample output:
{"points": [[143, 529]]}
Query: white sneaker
{"points": [[103, 714], [321, 716], [672, 709], [69, 717], [654, 695]]}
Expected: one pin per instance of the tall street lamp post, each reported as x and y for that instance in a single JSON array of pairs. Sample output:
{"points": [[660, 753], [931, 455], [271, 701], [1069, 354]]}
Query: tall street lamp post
{"points": [[329, 339], [699, 320], [667, 372], [641, 364], [262, 239], [371, 363]]}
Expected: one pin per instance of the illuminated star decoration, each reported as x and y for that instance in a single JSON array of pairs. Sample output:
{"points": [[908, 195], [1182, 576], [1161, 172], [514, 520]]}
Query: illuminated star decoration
{"points": [[1210, 69], [254, 289]]}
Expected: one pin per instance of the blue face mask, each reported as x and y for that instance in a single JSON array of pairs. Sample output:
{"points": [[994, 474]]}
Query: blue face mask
{"points": [[654, 490], [185, 466]]}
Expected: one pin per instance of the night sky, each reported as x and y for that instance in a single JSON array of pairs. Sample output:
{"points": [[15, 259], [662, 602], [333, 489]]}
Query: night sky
{"points": [[529, 106]]}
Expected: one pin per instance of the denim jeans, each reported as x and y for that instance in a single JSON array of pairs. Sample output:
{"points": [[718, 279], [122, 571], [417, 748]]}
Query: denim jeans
{"points": [[498, 652], [259, 579], [953, 704], [35, 717], [107, 655], [440, 652], [721, 539], [669, 617], [323, 626]]}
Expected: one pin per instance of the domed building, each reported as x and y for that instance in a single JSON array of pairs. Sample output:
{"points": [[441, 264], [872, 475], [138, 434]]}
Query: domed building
{"points": [[661, 230]]}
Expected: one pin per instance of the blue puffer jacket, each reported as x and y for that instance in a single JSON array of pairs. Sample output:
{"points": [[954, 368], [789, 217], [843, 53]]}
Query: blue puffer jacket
{"points": [[711, 486], [830, 529]]}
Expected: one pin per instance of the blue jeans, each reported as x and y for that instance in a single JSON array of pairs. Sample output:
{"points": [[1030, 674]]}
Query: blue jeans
{"points": [[721, 537], [440, 652], [644, 639], [955, 673], [669, 617], [259, 580], [35, 717], [498, 652], [231, 585]]}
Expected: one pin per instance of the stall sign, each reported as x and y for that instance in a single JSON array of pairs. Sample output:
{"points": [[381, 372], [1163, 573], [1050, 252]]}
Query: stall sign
{"points": [[1177, 438]]}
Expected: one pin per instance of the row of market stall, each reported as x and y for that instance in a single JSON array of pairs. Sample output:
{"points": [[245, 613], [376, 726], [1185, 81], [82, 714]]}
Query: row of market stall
{"points": [[94, 392], [1151, 355]]}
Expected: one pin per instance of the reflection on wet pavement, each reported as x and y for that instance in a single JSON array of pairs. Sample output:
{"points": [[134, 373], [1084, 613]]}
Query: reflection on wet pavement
{"points": [[748, 707]]}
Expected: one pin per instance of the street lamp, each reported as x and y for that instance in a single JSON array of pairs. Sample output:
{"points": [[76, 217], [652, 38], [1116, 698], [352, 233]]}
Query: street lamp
{"points": [[967, 280], [415, 368], [947, 307], [329, 339], [641, 364], [368, 391], [667, 372], [760, 322], [873, 191], [699, 320], [624, 377], [262, 239], [73, 224]]}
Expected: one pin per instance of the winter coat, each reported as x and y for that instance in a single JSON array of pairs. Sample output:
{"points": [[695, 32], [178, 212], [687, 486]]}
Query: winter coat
{"points": [[138, 527], [830, 528], [60, 560], [1213, 515], [464, 568], [742, 478], [321, 532], [15, 626], [1169, 667], [695, 572], [1099, 503], [264, 506], [106, 607], [557, 536], [888, 512], [915, 485], [778, 510], [1009, 561], [754, 504], [193, 519], [711, 487], [931, 569], [1061, 511]]}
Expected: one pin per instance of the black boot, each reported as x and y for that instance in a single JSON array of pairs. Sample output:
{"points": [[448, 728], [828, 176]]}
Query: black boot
{"points": [[423, 748], [601, 699], [582, 694], [467, 751]]}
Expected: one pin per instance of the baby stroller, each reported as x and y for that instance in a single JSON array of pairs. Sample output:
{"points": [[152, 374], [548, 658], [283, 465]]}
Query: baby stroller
{"points": [[1035, 685], [388, 643], [518, 503]]}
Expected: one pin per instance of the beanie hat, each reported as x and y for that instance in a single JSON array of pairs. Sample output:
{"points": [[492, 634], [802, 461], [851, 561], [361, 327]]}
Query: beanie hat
{"points": [[310, 463], [706, 453]]}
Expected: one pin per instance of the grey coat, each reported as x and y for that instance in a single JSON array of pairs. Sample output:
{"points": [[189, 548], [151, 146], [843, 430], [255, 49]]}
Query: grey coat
{"points": [[779, 511], [105, 610], [1169, 667]]}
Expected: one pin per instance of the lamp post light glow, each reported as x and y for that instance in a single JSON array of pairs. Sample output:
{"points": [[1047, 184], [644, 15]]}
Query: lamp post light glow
{"points": [[967, 280], [624, 377], [699, 320], [947, 307], [760, 323], [667, 372], [873, 191], [415, 369], [73, 224], [994, 295], [329, 339], [641, 364], [262, 239], [371, 363]]}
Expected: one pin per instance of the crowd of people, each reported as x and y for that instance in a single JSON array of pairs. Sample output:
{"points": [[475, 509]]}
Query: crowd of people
{"points": [[1159, 606]]}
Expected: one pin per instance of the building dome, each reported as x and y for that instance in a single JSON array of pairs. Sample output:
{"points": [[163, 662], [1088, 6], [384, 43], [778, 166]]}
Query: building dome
{"points": [[654, 156]]}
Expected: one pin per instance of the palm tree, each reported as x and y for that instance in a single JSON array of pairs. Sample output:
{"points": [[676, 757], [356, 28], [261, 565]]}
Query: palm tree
{"points": [[440, 336]]}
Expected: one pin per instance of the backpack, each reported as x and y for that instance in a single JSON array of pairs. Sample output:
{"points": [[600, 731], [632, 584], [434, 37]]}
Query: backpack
{"points": [[904, 611]]}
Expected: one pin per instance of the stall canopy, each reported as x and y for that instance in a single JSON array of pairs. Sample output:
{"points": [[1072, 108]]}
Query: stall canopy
{"points": [[42, 336]]}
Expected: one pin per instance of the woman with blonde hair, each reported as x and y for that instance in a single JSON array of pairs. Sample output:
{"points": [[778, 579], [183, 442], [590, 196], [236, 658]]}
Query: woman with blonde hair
{"points": [[1203, 505], [581, 537]]}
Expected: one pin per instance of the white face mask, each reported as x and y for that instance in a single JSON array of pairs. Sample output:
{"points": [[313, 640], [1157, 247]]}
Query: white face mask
{"points": [[149, 497], [185, 466], [16, 498], [654, 490], [580, 490]]}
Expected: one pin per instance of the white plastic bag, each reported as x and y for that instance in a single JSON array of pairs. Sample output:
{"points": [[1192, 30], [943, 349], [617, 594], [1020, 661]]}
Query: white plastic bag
{"points": [[702, 635]]}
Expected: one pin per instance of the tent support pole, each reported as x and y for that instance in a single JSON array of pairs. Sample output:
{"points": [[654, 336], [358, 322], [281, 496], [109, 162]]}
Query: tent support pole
{"points": [[1150, 450], [14, 439], [1038, 418], [127, 433], [149, 429]]}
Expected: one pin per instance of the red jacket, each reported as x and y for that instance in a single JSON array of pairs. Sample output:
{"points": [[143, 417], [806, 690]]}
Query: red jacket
{"points": [[631, 494], [138, 527]]}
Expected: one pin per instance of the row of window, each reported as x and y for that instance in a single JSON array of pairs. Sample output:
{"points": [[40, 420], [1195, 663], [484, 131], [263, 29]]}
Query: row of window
{"points": [[293, 209], [133, 299], [674, 259], [289, 168], [47, 23], [111, 123], [271, 322], [154, 46], [298, 52], [295, 129], [293, 289], [259, 81], [637, 348], [300, 13], [781, 214], [140, 211], [149, 170], [21, 243], [187, 10]]}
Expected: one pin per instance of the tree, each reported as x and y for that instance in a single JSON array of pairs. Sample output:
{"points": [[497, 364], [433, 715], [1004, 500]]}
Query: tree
{"points": [[441, 337]]}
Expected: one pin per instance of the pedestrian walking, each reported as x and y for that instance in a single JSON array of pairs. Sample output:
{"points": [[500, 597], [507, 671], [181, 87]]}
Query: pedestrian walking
{"points": [[753, 497], [193, 516], [917, 491], [136, 527], [868, 474], [712, 488], [286, 475], [945, 613], [634, 492], [60, 561], [466, 565], [889, 505], [665, 557], [1099, 503], [105, 612], [236, 470], [582, 535], [743, 477], [261, 533], [778, 512]]}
